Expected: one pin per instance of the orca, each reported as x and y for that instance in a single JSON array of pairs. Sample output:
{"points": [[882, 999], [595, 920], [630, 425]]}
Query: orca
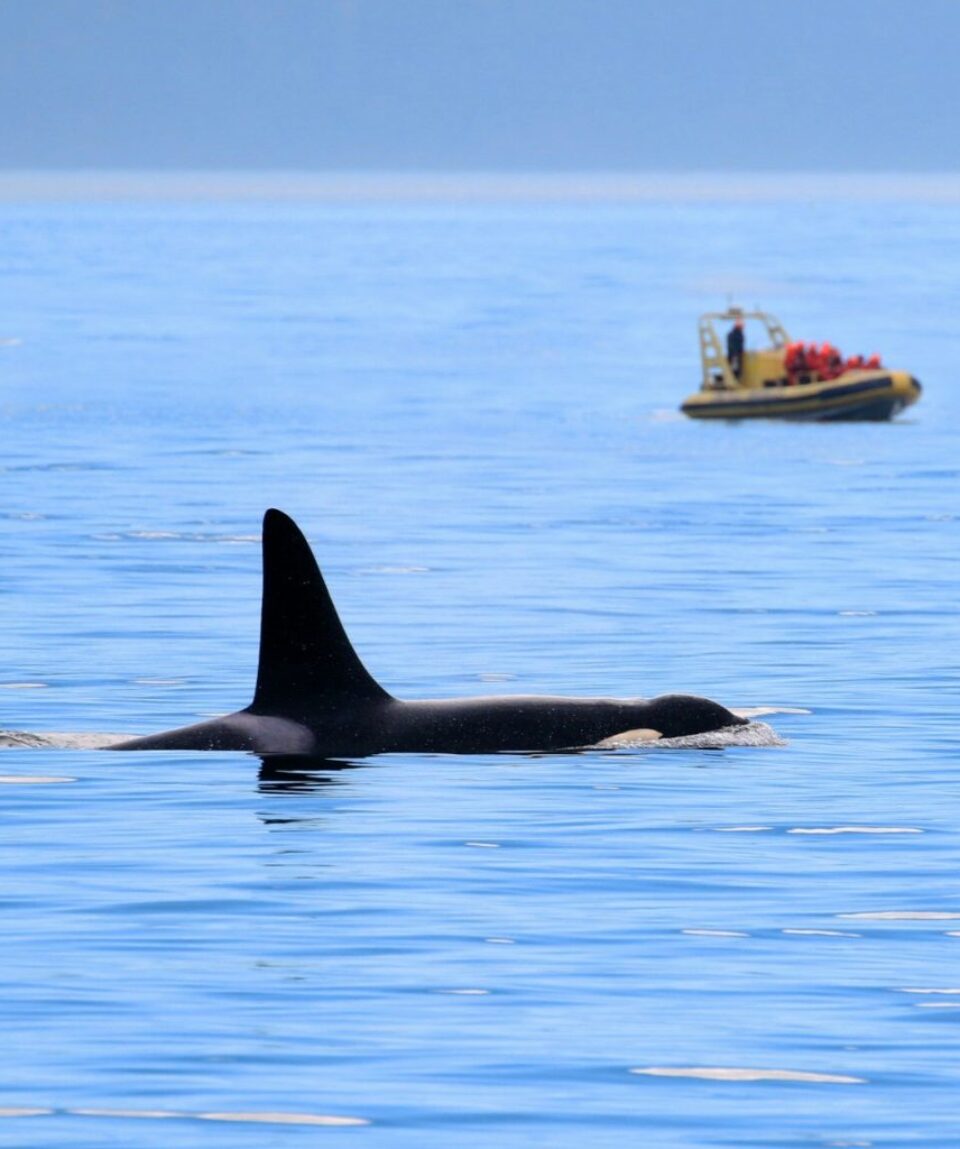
{"points": [[315, 697]]}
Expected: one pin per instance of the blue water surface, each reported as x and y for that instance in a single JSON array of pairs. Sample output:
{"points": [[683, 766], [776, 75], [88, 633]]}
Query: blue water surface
{"points": [[471, 409]]}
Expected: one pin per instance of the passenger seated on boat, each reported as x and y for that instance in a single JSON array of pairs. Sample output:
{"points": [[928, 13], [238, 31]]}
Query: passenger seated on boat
{"points": [[874, 362], [854, 363], [735, 345], [795, 362], [832, 361], [814, 362]]}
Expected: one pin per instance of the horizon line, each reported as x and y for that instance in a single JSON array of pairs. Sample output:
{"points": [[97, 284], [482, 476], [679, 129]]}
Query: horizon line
{"points": [[346, 186]]}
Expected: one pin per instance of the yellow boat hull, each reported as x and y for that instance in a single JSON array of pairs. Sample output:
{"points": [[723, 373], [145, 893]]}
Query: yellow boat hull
{"points": [[856, 395]]}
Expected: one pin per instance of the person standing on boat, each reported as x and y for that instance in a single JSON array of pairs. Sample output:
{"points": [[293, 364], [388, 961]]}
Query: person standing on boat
{"points": [[735, 345]]}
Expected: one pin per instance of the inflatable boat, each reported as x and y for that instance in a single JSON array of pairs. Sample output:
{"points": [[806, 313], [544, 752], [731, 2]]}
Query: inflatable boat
{"points": [[788, 380]]}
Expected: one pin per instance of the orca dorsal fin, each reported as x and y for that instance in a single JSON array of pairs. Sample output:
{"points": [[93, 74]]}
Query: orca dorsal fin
{"points": [[305, 655]]}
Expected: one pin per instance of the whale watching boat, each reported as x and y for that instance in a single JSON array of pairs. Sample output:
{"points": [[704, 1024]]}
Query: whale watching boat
{"points": [[789, 380]]}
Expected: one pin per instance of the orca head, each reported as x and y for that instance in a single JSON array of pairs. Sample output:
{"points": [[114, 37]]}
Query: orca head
{"points": [[677, 715]]}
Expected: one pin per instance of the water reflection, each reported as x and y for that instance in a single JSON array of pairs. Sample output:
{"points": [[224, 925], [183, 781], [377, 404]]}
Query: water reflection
{"points": [[295, 772]]}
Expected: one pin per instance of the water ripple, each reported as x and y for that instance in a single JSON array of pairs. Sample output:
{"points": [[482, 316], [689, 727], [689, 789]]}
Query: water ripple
{"points": [[730, 1074], [265, 1118]]}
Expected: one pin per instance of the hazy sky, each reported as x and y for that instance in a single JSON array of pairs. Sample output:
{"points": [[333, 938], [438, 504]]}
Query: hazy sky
{"points": [[855, 85]]}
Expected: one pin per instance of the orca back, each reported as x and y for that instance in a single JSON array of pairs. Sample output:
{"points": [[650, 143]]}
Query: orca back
{"points": [[306, 658]]}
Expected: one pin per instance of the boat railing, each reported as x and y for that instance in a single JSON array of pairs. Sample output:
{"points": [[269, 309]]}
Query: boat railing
{"points": [[717, 372]]}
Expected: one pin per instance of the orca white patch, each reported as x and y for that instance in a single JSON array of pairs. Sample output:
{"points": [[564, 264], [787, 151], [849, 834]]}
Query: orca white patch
{"points": [[631, 737]]}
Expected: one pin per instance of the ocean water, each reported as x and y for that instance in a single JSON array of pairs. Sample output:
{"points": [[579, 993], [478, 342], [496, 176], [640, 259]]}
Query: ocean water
{"points": [[471, 408]]}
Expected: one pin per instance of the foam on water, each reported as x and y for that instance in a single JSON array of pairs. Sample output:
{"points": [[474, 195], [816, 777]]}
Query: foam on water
{"points": [[22, 739], [753, 734]]}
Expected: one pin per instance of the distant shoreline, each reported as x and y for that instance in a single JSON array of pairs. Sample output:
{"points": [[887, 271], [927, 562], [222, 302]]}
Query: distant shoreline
{"points": [[475, 187]]}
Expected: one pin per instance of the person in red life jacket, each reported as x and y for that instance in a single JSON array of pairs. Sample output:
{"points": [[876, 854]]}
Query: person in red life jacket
{"points": [[802, 365], [789, 360], [826, 360], [874, 362], [795, 362], [814, 364], [833, 362], [854, 363]]}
